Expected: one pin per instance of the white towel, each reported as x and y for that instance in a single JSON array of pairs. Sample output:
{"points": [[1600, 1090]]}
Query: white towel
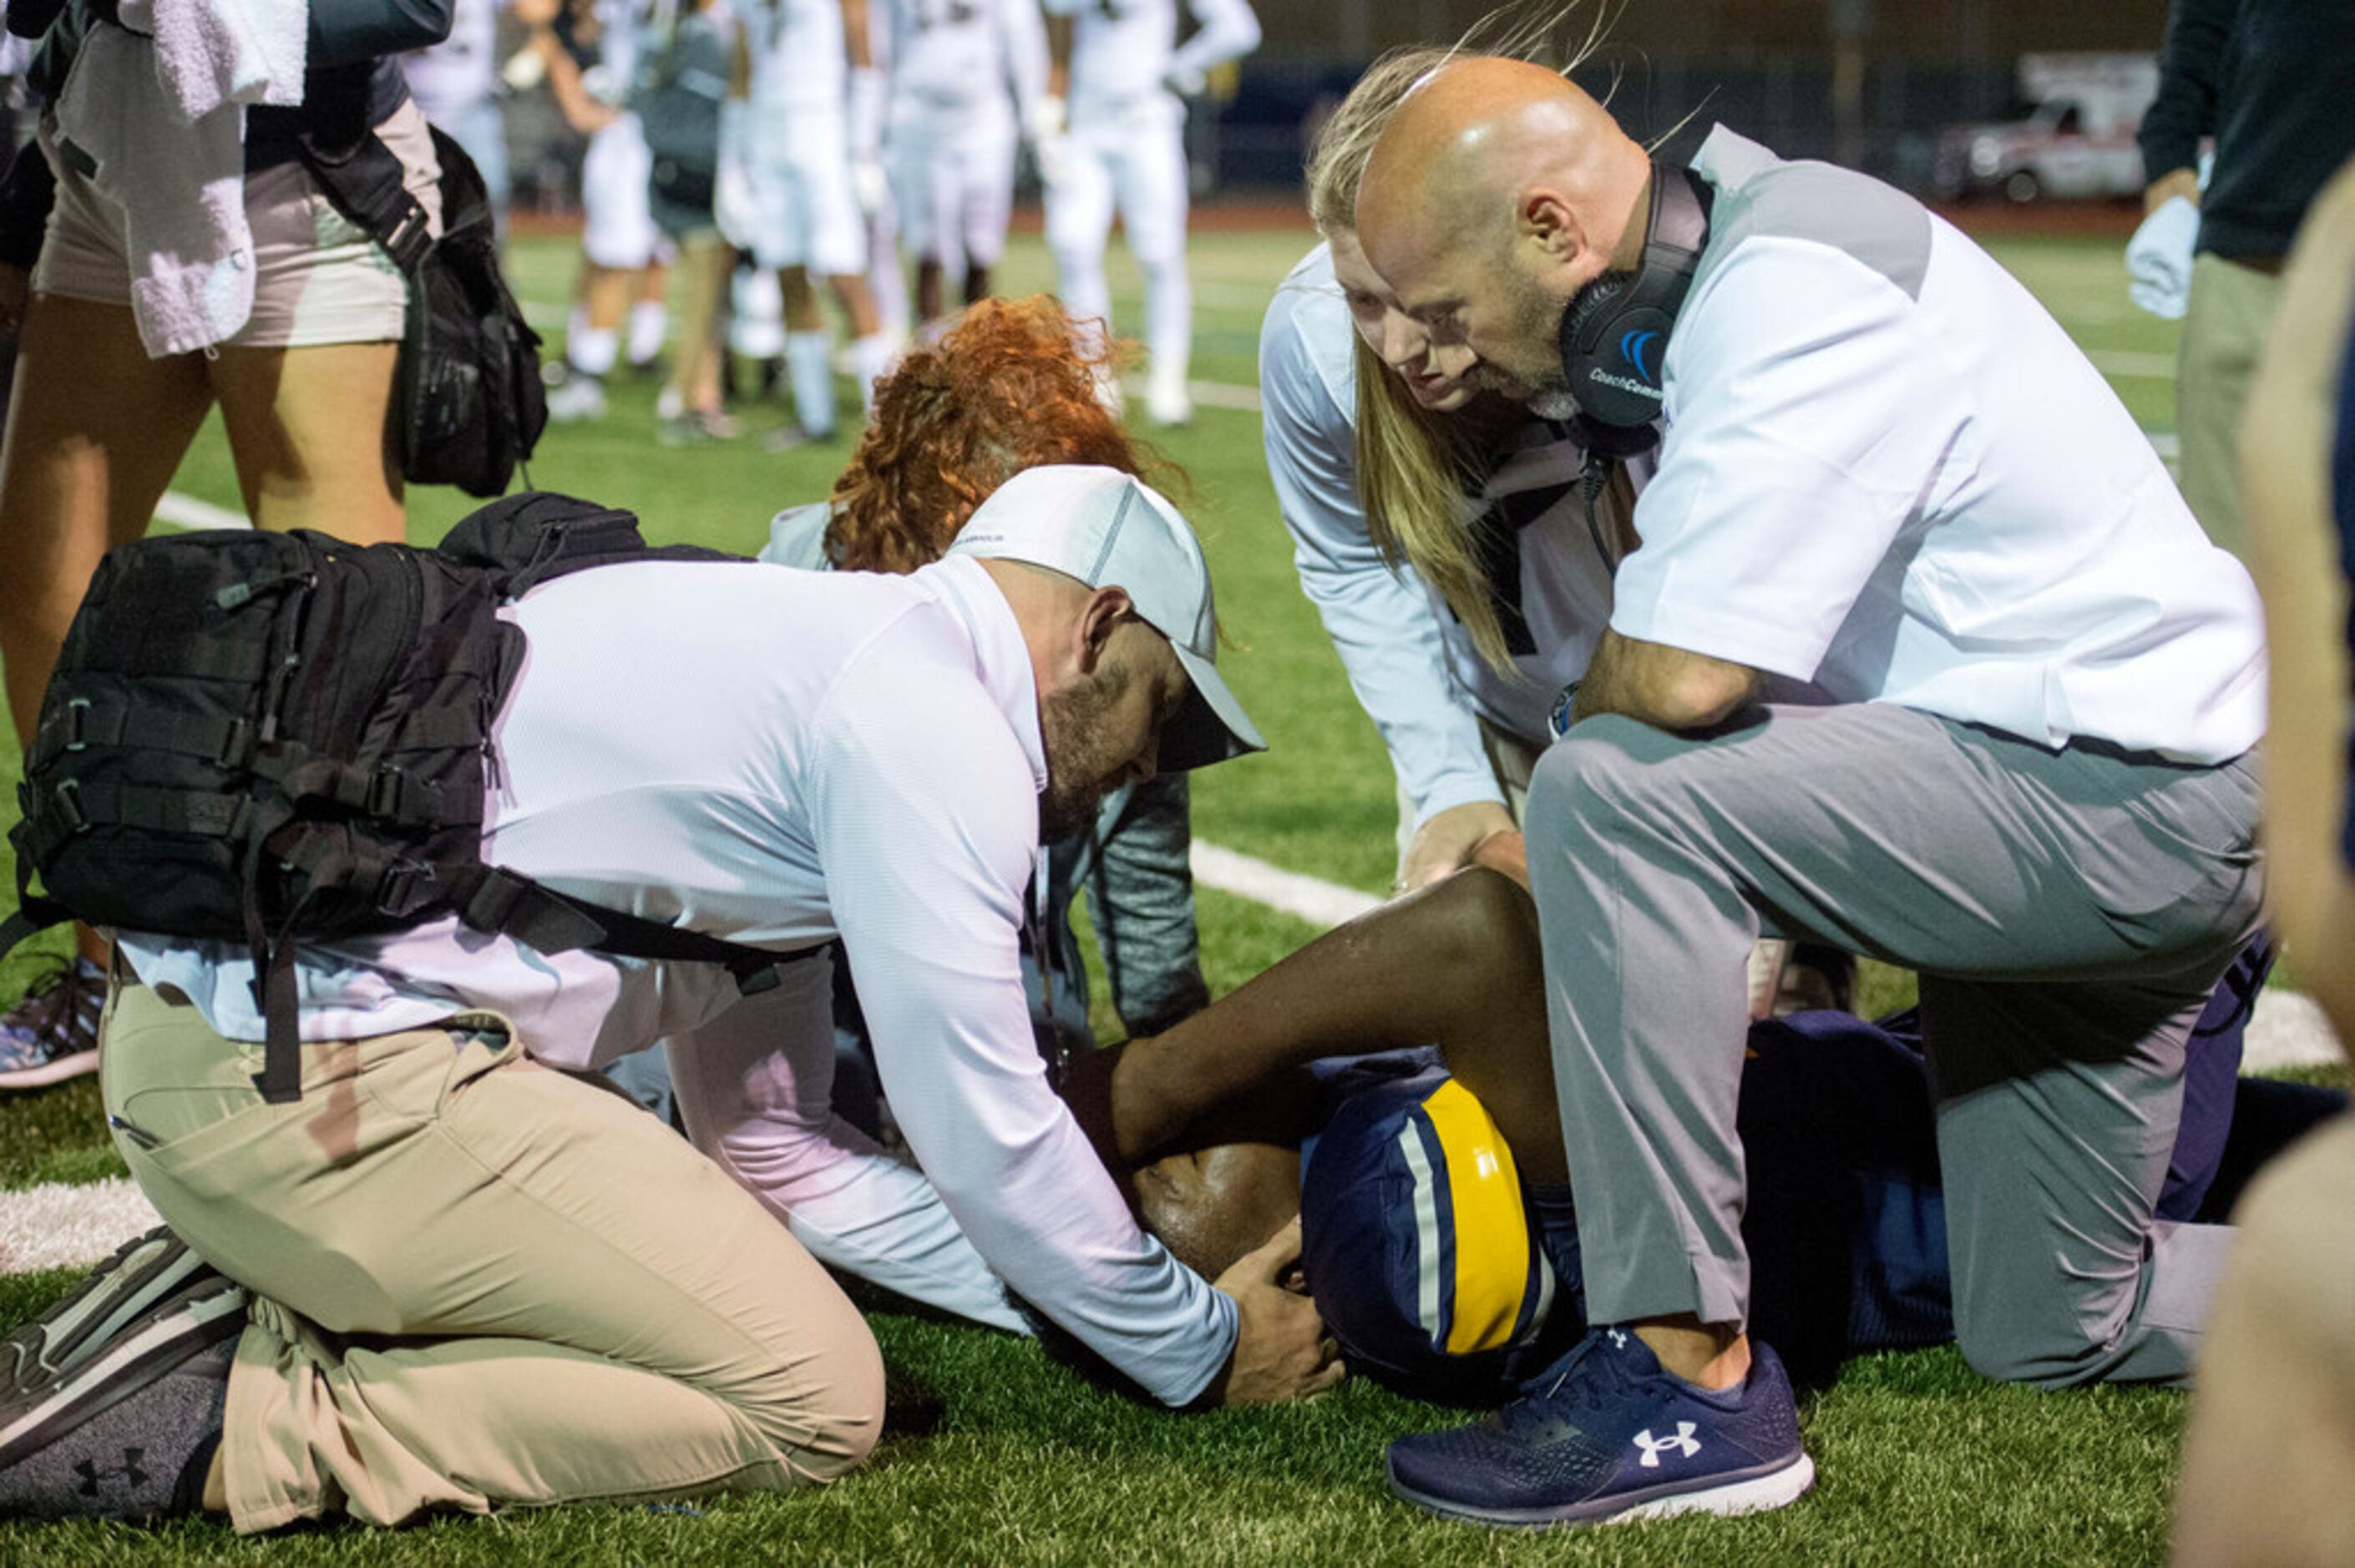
{"points": [[212, 52], [179, 175]]}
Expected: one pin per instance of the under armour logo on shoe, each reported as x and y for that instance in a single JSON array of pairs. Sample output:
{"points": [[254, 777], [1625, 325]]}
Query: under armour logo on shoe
{"points": [[1654, 1446], [129, 1472]]}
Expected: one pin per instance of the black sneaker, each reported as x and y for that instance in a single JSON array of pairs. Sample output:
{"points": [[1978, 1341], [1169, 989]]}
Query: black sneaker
{"points": [[52, 1034], [129, 1430], [1606, 1434], [143, 1274]]}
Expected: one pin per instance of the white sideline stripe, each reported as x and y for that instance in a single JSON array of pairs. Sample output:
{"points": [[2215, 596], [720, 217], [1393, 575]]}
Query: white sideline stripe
{"points": [[62, 1225], [187, 512], [1291, 893]]}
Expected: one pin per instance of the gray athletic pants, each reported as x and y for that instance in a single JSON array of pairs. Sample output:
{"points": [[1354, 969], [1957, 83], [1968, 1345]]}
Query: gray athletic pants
{"points": [[2069, 915]]}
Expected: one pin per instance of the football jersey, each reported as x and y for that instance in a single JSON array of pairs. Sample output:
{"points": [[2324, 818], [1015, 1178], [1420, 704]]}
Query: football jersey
{"points": [[463, 69], [1125, 49], [799, 56], [949, 53]]}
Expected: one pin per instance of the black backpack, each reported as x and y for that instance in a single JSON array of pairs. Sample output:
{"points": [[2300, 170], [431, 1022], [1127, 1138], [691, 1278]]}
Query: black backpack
{"points": [[274, 737]]}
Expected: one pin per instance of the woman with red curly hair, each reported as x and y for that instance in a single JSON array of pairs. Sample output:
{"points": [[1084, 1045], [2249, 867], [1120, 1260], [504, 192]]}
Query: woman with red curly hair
{"points": [[1005, 390]]}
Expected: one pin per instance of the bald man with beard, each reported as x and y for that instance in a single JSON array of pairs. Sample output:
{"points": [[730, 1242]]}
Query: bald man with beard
{"points": [[1917, 654]]}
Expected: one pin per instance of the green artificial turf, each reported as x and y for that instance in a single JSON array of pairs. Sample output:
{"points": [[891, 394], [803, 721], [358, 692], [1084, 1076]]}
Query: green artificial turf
{"points": [[993, 1453]]}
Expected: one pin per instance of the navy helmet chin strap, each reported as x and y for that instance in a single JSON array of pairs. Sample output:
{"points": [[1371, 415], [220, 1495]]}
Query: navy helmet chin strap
{"points": [[1615, 333]]}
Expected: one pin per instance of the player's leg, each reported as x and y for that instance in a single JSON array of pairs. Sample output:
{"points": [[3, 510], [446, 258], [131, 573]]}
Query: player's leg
{"points": [[617, 240], [809, 362], [988, 207], [834, 246], [1079, 225], [1153, 208]]}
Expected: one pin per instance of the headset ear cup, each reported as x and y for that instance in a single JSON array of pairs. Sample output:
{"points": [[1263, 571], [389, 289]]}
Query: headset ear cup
{"points": [[1614, 335]]}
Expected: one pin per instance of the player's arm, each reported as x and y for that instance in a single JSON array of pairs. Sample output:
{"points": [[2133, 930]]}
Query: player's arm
{"points": [[1455, 965], [1665, 687], [1058, 23], [1223, 30]]}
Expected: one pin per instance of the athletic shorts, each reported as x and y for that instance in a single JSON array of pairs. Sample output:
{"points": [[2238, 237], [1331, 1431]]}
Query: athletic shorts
{"points": [[1130, 157], [619, 230], [952, 180], [318, 277], [804, 212]]}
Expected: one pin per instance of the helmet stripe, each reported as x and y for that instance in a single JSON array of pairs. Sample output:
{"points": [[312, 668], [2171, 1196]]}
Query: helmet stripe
{"points": [[1492, 1227], [1427, 1238]]}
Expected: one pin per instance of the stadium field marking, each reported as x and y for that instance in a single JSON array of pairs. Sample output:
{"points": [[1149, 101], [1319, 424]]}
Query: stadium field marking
{"points": [[187, 512]]}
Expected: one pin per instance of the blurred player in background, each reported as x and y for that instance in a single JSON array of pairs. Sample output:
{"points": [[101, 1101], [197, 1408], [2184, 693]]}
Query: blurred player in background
{"points": [[1123, 79], [589, 48], [456, 83], [965, 74], [809, 119]]}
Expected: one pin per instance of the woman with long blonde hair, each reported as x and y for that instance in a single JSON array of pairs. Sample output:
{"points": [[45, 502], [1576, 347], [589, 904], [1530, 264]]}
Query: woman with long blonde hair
{"points": [[1446, 536]]}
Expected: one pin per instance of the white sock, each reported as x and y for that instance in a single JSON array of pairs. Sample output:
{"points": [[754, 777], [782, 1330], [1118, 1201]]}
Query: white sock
{"points": [[590, 350], [1169, 322], [649, 325], [809, 367], [756, 314]]}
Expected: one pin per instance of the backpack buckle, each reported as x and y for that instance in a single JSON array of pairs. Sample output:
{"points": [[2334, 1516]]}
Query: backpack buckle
{"points": [[384, 791], [65, 801], [77, 723], [232, 751], [403, 886]]}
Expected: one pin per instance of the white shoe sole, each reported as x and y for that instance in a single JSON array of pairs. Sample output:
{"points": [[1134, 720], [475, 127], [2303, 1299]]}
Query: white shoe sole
{"points": [[1751, 1494]]}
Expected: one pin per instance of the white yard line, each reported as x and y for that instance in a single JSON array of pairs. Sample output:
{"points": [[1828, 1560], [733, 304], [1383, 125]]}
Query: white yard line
{"points": [[186, 511]]}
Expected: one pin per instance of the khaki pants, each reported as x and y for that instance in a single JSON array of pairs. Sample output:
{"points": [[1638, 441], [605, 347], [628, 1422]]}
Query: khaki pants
{"points": [[478, 1281], [2223, 332]]}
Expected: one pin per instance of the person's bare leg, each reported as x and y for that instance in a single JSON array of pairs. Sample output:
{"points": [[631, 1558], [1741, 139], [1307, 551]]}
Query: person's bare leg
{"points": [[851, 291], [801, 312], [96, 430], [932, 289], [605, 294], [308, 430]]}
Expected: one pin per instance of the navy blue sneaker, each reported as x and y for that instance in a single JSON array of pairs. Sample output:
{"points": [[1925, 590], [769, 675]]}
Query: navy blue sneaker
{"points": [[1605, 1434]]}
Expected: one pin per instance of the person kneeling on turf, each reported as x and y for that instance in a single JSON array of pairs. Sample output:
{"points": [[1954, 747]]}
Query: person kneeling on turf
{"points": [[452, 1277]]}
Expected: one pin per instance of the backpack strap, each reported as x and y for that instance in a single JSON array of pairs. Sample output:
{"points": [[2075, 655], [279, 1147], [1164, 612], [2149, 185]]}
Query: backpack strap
{"points": [[535, 914], [369, 186]]}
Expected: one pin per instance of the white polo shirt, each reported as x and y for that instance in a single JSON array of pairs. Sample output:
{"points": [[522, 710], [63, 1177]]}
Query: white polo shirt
{"points": [[1889, 471], [779, 757]]}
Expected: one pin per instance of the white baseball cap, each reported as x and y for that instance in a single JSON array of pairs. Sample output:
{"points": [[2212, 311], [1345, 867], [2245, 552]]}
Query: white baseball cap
{"points": [[1110, 529]]}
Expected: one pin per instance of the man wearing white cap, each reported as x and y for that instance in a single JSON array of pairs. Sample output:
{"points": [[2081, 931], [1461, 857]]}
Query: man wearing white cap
{"points": [[450, 1278]]}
